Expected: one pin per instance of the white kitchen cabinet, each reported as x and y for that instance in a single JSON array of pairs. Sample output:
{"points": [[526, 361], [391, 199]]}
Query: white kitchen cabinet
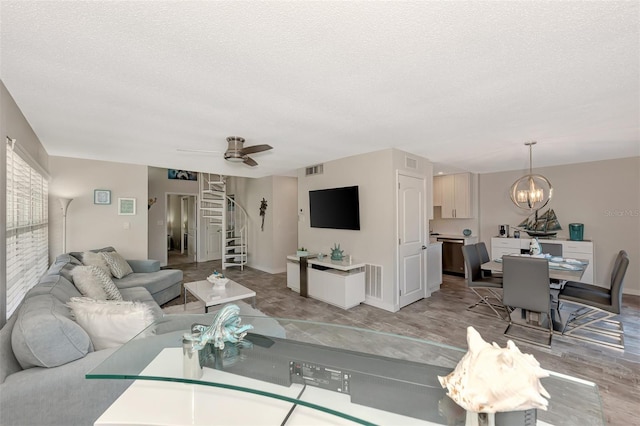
{"points": [[437, 190], [456, 196]]}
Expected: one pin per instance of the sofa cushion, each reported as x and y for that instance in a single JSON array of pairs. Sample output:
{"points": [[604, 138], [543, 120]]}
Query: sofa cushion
{"points": [[155, 282], [78, 254], [44, 334], [63, 265], [89, 258], [117, 264], [141, 294], [55, 285], [112, 323]]}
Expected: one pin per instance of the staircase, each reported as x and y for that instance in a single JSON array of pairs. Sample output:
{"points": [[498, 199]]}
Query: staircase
{"points": [[220, 209]]}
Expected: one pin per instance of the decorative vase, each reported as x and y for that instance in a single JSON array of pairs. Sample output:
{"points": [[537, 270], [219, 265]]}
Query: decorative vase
{"points": [[336, 253]]}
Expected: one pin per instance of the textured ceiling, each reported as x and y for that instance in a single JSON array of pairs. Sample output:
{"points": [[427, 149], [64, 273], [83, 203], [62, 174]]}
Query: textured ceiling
{"points": [[464, 84]]}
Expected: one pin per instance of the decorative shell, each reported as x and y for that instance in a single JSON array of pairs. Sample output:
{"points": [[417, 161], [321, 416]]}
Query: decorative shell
{"points": [[491, 379]]}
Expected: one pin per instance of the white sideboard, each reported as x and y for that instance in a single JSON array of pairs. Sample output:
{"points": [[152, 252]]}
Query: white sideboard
{"points": [[338, 283], [570, 249]]}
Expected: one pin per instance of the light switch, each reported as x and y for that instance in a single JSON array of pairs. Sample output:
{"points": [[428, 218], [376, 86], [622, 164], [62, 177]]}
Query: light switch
{"points": [[160, 223], [126, 225]]}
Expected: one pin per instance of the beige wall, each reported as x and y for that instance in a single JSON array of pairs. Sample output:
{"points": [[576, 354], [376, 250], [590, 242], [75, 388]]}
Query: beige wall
{"points": [[604, 195], [159, 187], [14, 125], [268, 248], [90, 225], [284, 210], [375, 243]]}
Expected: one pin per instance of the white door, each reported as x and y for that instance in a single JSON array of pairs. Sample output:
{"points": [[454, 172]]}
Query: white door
{"points": [[411, 235], [184, 206], [192, 228], [213, 241]]}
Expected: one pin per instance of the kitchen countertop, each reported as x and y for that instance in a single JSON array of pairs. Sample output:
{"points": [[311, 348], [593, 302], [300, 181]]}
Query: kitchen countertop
{"points": [[456, 236]]}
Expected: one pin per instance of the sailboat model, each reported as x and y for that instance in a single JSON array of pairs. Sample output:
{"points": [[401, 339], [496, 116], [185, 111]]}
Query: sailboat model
{"points": [[545, 225]]}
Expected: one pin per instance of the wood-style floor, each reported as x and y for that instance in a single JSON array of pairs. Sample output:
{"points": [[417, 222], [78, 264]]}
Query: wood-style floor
{"points": [[444, 317]]}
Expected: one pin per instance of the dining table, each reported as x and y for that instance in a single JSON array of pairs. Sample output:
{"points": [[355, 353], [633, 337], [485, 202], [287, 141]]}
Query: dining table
{"points": [[559, 268]]}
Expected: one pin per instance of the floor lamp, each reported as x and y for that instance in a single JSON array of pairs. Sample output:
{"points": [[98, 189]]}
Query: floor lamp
{"points": [[64, 202]]}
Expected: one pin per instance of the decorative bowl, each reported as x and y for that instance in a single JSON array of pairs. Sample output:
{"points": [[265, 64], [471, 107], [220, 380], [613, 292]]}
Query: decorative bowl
{"points": [[218, 282]]}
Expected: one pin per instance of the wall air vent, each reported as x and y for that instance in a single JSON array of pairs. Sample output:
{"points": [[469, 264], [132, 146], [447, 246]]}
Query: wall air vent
{"points": [[314, 170], [410, 163], [373, 281]]}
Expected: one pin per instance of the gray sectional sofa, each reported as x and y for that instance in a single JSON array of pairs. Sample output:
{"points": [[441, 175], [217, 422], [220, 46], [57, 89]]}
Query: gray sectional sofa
{"points": [[45, 354]]}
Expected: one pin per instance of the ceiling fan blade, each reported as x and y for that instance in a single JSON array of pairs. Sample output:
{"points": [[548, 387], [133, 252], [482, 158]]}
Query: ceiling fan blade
{"points": [[198, 150], [256, 148], [250, 161]]}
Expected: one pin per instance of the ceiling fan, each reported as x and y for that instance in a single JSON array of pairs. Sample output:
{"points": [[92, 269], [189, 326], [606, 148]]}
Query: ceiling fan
{"points": [[236, 152]]}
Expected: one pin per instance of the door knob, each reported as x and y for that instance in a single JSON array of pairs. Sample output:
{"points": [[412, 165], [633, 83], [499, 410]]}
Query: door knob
{"points": [[424, 247]]}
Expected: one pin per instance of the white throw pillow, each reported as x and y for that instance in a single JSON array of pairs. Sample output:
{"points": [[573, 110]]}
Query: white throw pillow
{"points": [[112, 323], [117, 264], [90, 258], [88, 283]]}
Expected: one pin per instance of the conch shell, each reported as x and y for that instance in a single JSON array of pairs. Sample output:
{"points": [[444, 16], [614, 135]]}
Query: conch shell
{"points": [[491, 379]]}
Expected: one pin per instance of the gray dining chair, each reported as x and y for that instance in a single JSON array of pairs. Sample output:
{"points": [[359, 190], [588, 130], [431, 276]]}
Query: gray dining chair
{"points": [[597, 305], [525, 285], [486, 288], [554, 249], [484, 258]]}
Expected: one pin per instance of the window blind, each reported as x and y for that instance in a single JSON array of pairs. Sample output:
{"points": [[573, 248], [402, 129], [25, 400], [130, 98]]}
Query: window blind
{"points": [[27, 227]]}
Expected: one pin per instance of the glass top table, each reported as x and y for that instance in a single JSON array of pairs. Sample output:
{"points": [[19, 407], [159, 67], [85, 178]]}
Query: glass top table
{"points": [[330, 373]]}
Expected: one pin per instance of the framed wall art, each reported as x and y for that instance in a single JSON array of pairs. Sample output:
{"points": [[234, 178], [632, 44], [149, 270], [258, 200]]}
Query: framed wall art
{"points": [[101, 196], [181, 174], [127, 206]]}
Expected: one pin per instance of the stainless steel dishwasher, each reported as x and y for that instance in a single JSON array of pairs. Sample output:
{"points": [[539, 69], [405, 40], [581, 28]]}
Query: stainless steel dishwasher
{"points": [[452, 259]]}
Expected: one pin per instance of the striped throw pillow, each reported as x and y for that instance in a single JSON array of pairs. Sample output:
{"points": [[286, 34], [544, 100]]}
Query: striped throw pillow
{"points": [[117, 264]]}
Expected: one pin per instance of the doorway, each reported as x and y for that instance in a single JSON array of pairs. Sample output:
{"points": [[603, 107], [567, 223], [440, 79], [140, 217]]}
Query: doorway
{"points": [[182, 228], [411, 238]]}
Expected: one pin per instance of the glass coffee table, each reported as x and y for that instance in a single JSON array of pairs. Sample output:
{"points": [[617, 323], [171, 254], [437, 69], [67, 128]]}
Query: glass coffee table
{"points": [[302, 372]]}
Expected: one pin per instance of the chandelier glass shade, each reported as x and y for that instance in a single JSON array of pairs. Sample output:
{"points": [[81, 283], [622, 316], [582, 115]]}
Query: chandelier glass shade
{"points": [[531, 191]]}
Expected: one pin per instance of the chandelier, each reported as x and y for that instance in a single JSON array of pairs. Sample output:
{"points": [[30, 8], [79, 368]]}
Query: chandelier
{"points": [[532, 191]]}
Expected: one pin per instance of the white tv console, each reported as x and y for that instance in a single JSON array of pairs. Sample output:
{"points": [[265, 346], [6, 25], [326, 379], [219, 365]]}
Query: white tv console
{"points": [[338, 283]]}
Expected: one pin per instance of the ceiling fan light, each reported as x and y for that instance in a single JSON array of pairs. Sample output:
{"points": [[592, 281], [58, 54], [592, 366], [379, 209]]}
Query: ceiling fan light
{"points": [[234, 159]]}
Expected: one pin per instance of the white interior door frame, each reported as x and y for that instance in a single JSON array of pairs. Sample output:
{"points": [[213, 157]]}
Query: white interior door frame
{"points": [[166, 216]]}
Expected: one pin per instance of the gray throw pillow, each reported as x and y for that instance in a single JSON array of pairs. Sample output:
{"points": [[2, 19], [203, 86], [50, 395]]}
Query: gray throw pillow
{"points": [[89, 283], [117, 264], [90, 258]]}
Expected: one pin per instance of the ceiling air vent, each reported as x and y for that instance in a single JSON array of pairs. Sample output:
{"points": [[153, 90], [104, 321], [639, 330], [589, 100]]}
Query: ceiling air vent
{"points": [[410, 163], [314, 170]]}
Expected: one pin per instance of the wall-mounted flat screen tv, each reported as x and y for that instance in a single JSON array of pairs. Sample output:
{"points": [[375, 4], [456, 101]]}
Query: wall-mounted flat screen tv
{"points": [[335, 208]]}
